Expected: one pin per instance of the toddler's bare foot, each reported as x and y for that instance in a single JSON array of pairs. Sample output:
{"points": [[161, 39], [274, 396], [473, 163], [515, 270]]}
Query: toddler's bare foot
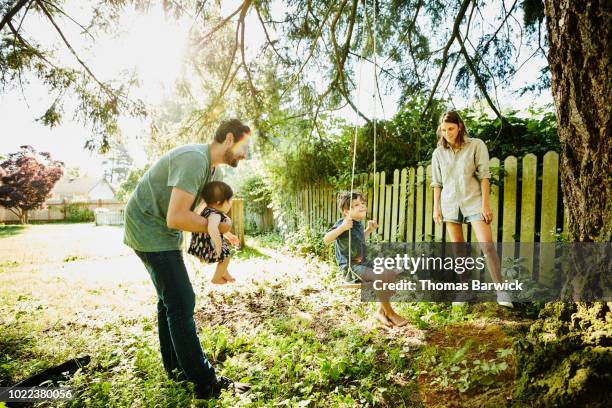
{"points": [[397, 320], [382, 318], [218, 281], [228, 277]]}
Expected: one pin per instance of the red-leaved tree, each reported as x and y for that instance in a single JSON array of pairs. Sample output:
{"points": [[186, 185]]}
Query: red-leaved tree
{"points": [[27, 178]]}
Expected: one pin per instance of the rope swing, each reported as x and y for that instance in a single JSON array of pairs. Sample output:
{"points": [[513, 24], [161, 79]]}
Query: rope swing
{"points": [[355, 133]]}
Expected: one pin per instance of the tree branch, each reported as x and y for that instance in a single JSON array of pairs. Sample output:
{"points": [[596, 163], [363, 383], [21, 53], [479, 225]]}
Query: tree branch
{"points": [[11, 13], [477, 78], [221, 24], [74, 53], [85, 30], [244, 63], [310, 53], [341, 58], [449, 43], [263, 25]]}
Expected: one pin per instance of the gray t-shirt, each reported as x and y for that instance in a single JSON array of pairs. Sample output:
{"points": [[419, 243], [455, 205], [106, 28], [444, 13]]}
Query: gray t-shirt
{"points": [[358, 245], [186, 167], [459, 174]]}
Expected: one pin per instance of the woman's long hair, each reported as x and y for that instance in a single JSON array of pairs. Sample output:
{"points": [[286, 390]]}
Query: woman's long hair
{"points": [[451, 117]]}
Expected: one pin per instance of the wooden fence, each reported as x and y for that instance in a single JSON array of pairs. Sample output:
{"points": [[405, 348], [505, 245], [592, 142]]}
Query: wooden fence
{"points": [[58, 211], [526, 203]]}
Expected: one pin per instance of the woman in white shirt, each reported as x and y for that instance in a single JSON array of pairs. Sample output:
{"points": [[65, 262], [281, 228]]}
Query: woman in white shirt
{"points": [[460, 179]]}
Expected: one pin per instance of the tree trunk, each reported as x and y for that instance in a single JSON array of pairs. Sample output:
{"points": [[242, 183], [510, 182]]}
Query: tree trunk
{"points": [[565, 358]]}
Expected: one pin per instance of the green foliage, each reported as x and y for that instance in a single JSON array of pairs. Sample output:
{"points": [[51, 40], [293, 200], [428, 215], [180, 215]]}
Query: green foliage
{"points": [[257, 194], [451, 368], [308, 242], [128, 186], [406, 140], [76, 212], [536, 133]]}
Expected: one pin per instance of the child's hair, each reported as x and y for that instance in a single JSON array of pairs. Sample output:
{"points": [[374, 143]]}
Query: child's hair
{"points": [[216, 192], [344, 199], [451, 117]]}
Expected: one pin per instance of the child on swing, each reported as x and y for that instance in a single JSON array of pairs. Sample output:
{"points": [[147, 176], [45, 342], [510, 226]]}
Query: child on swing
{"points": [[213, 247], [353, 208]]}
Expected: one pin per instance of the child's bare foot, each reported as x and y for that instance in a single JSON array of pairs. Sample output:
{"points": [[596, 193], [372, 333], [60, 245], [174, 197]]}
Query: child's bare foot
{"points": [[382, 318], [228, 277], [219, 281], [396, 319]]}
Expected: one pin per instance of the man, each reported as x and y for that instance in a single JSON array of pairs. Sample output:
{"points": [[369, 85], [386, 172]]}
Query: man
{"points": [[161, 207]]}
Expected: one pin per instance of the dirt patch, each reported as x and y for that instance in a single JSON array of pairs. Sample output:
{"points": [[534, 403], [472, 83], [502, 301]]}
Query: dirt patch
{"points": [[484, 342]]}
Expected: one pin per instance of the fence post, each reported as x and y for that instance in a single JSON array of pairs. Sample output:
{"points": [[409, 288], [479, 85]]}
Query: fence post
{"points": [[494, 201], [428, 205], [402, 205], [395, 209], [548, 222], [410, 206], [418, 230], [509, 224], [528, 208]]}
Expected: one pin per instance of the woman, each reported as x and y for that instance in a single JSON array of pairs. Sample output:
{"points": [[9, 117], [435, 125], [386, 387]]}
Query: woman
{"points": [[460, 179]]}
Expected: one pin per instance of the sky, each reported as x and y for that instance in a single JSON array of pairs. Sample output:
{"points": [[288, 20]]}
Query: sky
{"points": [[153, 47]]}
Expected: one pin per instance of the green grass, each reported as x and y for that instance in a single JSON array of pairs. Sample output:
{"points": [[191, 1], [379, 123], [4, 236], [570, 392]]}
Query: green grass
{"points": [[284, 328], [10, 230]]}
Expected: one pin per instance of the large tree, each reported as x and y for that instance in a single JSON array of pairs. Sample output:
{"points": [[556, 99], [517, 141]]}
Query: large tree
{"points": [[566, 358], [27, 180]]}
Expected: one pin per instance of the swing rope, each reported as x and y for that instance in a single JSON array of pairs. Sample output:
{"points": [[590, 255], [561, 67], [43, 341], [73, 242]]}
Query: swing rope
{"points": [[373, 34]]}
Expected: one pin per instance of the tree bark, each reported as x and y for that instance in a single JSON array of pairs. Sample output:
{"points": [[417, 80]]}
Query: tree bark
{"points": [[565, 358], [580, 53]]}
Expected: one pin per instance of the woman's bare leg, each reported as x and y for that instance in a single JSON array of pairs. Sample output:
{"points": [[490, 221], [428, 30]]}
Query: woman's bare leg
{"points": [[485, 238]]}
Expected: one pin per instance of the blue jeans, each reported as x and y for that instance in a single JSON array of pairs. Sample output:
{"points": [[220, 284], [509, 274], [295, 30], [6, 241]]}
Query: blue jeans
{"points": [[179, 343]]}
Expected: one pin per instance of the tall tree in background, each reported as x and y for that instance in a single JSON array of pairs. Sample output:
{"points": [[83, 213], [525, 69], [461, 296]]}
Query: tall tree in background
{"points": [[118, 163], [27, 180]]}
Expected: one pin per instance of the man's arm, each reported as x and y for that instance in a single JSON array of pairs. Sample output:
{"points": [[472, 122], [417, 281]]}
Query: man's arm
{"points": [[181, 217]]}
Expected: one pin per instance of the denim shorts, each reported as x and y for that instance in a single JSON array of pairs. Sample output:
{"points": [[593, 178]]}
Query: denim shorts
{"points": [[462, 219]]}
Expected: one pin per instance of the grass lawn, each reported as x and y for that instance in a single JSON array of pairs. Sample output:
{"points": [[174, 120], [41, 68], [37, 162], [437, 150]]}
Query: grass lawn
{"points": [[73, 289]]}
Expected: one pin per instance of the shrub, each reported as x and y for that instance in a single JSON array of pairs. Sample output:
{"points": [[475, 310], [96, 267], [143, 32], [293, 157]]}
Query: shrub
{"points": [[79, 213]]}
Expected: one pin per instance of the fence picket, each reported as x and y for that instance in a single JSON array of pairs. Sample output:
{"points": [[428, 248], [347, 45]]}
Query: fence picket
{"points": [[410, 206], [402, 205], [528, 208], [381, 201], [494, 200], [427, 220], [548, 221], [395, 206], [418, 230], [509, 223]]}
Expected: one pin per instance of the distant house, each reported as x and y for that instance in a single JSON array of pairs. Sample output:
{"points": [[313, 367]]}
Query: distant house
{"points": [[84, 188]]}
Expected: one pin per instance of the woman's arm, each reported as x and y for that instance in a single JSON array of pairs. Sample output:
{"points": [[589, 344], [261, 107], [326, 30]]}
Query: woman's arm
{"points": [[437, 210], [213, 231]]}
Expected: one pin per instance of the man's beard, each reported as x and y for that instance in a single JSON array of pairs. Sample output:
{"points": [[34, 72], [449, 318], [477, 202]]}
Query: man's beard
{"points": [[230, 159]]}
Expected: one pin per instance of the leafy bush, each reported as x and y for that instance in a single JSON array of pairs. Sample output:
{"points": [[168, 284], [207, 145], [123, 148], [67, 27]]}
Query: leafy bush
{"points": [[79, 213], [308, 241]]}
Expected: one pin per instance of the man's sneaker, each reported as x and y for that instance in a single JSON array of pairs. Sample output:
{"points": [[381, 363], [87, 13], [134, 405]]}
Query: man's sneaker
{"points": [[223, 383]]}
